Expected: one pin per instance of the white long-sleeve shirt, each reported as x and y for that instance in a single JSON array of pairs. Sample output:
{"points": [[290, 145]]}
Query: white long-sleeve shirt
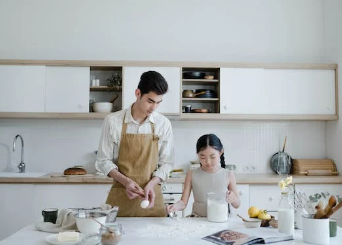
{"points": [[108, 150]]}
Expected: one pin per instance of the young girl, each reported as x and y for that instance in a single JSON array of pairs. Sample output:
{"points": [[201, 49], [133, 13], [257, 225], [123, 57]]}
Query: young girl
{"points": [[210, 177]]}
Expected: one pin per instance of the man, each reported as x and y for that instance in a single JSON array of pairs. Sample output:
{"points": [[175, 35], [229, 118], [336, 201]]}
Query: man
{"points": [[136, 149]]}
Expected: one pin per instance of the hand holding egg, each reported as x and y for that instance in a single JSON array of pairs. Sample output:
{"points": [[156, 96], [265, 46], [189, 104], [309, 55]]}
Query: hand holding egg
{"points": [[144, 204]]}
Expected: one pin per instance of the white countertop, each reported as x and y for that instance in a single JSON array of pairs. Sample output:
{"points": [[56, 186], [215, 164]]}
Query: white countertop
{"points": [[157, 231]]}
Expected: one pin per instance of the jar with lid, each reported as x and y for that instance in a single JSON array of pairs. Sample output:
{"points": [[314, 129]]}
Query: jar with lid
{"points": [[286, 213], [217, 207]]}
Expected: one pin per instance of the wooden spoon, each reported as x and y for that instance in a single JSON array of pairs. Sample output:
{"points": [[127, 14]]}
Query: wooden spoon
{"points": [[333, 210], [243, 218]]}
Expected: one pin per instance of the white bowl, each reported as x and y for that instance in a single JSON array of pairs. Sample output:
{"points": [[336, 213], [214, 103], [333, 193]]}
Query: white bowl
{"points": [[86, 224], [252, 223], [103, 107]]}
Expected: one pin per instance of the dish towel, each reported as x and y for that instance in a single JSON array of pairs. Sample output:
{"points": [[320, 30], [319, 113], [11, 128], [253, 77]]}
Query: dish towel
{"points": [[65, 222]]}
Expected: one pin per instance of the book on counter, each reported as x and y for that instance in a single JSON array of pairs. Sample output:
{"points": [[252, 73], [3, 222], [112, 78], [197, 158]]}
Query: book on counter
{"points": [[262, 235]]}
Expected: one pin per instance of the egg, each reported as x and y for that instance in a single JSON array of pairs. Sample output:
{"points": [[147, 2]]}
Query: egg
{"points": [[144, 204]]}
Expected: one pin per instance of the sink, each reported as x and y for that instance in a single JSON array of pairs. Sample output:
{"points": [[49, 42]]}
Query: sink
{"points": [[21, 175]]}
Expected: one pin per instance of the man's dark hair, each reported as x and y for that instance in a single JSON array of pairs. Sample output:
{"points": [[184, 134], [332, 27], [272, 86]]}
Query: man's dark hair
{"points": [[152, 81]]}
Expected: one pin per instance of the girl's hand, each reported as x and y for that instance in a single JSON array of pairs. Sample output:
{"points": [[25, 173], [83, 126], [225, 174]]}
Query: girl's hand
{"points": [[231, 197], [175, 207]]}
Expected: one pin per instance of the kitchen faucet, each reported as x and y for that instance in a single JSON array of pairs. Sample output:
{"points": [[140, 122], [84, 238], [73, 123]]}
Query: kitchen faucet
{"points": [[21, 165]]}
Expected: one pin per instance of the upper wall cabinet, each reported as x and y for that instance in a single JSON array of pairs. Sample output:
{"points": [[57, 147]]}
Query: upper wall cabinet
{"points": [[67, 89], [296, 92], [171, 100], [22, 88]]}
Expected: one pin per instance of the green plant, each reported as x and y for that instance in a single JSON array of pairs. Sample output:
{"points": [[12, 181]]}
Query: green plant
{"points": [[114, 81]]}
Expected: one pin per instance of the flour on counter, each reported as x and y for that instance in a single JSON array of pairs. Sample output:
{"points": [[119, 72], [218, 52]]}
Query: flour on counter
{"points": [[182, 229]]}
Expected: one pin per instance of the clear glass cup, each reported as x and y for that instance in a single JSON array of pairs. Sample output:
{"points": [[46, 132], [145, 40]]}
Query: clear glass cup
{"points": [[217, 207], [112, 236]]}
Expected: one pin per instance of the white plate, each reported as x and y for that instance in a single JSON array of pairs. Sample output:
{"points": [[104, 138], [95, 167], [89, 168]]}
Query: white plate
{"points": [[88, 240]]}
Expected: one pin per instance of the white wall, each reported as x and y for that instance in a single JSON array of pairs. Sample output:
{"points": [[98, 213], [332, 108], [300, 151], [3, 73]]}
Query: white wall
{"points": [[200, 30], [333, 51]]}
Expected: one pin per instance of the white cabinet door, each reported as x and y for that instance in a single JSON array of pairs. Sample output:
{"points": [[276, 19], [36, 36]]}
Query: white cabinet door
{"points": [[67, 89], [171, 100], [22, 88], [277, 91], [266, 197], [69, 196], [244, 200], [16, 207]]}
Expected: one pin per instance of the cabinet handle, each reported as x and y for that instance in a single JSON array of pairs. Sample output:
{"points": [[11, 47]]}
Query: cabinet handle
{"points": [[240, 193], [271, 199], [163, 188]]}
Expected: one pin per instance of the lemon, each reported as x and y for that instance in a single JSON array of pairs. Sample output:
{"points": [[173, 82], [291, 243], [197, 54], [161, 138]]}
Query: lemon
{"points": [[264, 215], [253, 212]]}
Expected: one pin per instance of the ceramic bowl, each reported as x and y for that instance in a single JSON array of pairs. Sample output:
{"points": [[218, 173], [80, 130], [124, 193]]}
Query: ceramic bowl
{"points": [[103, 107], [252, 223], [86, 224]]}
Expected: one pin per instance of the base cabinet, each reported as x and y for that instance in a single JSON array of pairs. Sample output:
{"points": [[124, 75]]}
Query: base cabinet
{"points": [[69, 196], [16, 206]]}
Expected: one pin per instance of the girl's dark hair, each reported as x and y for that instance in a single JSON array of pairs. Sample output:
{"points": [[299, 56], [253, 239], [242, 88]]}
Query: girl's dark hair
{"points": [[213, 141], [152, 81]]}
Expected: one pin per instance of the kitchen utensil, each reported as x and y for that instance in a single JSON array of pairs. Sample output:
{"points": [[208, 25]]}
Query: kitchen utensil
{"points": [[173, 215], [193, 75], [114, 98], [281, 162], [103, 107], [242, 218], [85, 222], [191, 94], [333, 210], [315, 231], [108, 228], [205, 93], [209, 77], [200, 110]]}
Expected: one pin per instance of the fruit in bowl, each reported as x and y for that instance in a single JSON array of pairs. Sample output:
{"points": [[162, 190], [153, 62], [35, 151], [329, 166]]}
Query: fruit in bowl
{"points": [[253, 212]]}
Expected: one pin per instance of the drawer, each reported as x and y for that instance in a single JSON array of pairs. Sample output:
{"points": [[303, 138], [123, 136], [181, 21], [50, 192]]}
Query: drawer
{"points": [[171, 198], [172, 188]]}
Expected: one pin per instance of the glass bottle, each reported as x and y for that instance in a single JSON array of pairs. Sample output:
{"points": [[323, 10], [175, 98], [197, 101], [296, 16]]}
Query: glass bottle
{"points": [[286, 214], [217, 207]]}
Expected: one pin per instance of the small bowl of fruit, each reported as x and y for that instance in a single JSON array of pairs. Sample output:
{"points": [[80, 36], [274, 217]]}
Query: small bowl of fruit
{"points": [[266, 218]]}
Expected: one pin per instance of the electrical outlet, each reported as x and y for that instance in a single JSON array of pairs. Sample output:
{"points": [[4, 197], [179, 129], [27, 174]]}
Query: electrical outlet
{"points": [[246, 168], [253, 168]]}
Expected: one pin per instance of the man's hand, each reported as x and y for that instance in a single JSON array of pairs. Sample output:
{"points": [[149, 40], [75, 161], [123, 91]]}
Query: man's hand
{"points": [[149, 191], [133, 190]]}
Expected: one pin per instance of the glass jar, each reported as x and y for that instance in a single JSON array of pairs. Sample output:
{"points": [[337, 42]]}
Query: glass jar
{"points": [[286, 214], [217, 207], [112, 236]]}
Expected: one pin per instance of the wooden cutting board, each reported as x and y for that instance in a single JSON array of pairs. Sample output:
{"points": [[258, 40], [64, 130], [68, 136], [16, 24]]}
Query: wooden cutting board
{"points": [[318, 167]]}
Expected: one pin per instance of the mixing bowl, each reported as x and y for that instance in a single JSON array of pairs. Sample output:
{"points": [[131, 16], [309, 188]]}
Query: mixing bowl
{"points": [[103, 107], [86, 224]]}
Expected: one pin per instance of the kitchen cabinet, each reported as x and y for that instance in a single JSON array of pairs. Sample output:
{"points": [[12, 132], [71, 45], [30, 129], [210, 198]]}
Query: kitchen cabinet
{"points": [[16, 205], [265, 197], [171, 100], [67, 89], [22, 88], [260, 91], [205, 84], [69, 196]]}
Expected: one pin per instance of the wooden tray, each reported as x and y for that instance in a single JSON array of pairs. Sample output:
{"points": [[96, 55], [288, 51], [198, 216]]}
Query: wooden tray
{"points": [[318, 167]]}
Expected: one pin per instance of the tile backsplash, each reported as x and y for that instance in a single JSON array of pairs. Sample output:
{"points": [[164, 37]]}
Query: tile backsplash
{"points": [[53, 145]]}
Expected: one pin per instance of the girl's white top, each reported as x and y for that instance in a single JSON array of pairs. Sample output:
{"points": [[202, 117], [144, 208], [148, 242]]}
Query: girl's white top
{"points": [[203, 183]]}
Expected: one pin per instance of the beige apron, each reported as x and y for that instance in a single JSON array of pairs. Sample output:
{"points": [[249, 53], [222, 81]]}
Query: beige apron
{"points": [[138, 159]]}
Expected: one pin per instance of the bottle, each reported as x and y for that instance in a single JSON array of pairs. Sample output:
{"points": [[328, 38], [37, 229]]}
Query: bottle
{"points": [[286, 214], [217, 207]]}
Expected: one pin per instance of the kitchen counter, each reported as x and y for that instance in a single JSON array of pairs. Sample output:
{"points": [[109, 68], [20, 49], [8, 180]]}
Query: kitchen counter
{"points": [[156, 231], [241, 179]]}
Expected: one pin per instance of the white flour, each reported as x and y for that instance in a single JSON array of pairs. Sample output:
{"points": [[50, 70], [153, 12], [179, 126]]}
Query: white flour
{"points": [[217, 212], [182, 229]]}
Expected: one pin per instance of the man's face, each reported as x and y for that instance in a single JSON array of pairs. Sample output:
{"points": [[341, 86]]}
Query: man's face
{"points": [[147, 103]]}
